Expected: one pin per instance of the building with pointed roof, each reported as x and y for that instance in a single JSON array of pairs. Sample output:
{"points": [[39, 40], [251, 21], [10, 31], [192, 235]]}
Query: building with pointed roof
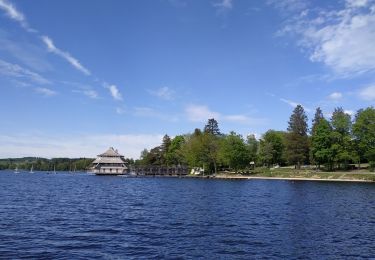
{"points": [[109, 163]]}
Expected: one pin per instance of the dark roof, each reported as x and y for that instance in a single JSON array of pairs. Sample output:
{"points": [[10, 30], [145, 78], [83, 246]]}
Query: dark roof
{"points": [[111, 153]]}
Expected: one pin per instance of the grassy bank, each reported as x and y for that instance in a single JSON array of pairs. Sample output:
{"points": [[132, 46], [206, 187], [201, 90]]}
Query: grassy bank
{"points": [[288, 173]]}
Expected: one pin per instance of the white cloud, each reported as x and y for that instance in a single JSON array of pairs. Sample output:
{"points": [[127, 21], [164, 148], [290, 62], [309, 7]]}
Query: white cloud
{"points": [[113, 90], [287, 6], [163, 93], [342, 39], [120, 110], [16, 71], [37, 145], [200, 113], [349, 112], [88, 93], [152, 113], [46, 92], [224, 4], [91, 94], [12, 12], [335, 96], [294, 104], [65, 55], [367, 93]]}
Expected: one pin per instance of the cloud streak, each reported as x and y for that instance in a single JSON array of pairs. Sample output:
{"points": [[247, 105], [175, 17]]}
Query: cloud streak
{"points": [[368, 93], [65, 55], [114, 91], [46, 92], [12, 12], [335, 96], [163, 93], [294, 104], [16, 71], [201, 113], [38, 145]]}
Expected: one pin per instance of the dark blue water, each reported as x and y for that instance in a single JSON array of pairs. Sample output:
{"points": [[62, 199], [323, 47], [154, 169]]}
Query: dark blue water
{"points": [[82, 216]]}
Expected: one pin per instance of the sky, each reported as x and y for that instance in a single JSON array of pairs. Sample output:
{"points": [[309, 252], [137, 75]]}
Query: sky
{"points": [[77, 77]]}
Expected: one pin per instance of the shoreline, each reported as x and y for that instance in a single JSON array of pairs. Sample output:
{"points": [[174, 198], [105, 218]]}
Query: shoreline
{"points": [[226, 177]]}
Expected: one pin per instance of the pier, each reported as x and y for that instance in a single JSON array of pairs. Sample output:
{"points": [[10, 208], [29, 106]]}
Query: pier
{"points": [[160, 170]]}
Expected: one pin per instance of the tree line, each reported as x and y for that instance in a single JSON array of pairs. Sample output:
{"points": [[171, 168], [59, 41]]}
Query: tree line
{"points": [[335, 143], [43, 164]]}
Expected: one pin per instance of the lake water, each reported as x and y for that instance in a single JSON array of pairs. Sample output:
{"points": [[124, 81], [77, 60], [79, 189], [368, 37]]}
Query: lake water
{"points": [[83, 216]]}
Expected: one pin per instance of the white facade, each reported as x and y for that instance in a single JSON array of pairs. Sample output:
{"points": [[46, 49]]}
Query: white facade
{"points": [[109, 163]]}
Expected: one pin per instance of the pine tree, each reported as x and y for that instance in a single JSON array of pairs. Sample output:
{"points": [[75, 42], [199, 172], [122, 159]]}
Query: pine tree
{"points": [[212, 127], [297, 146], [317, 117]]}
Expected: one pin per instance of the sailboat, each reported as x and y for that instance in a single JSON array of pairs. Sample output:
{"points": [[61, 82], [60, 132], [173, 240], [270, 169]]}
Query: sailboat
{"points": [[54, 170], [31, 170], [16, 170]]}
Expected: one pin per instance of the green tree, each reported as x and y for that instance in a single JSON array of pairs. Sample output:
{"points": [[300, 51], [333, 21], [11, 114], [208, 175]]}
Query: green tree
{"points": [[364, 134], [233, 151], [297, 146], [271, 147], [321, 143], [252, 146], [342, 142], [317, 117], [164, 149], [175, 153]]}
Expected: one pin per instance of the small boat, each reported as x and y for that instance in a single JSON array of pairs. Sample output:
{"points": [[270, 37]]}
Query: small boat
{"points": [[16, 170], [31, 170], [54, 170]]}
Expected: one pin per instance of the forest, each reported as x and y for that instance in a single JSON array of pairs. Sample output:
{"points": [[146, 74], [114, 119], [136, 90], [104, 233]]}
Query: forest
{"points": [[338, 143]]}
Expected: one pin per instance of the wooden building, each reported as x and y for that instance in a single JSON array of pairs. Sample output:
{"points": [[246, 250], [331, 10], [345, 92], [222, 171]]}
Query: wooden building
{"points": [[109, 163]]}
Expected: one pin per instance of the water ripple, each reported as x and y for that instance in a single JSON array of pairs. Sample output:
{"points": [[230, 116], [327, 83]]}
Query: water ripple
{"points": [[79, 216]]}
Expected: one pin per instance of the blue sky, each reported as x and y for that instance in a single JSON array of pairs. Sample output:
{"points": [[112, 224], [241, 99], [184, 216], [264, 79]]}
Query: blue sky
{"points": [[79, 76]]}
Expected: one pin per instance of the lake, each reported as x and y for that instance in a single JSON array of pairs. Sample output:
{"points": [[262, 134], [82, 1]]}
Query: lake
{"points": [[80, 216]]}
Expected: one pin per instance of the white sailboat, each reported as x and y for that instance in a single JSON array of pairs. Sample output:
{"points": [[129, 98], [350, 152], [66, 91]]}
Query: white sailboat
{"points": [[16, 170], [54, 170], [31, 170]]}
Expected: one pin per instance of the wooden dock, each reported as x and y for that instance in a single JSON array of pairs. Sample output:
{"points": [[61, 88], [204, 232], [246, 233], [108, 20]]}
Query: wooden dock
{"points": [[160, 171]]}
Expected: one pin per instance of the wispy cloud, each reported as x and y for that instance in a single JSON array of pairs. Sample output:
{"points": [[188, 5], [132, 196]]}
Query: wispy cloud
{"points": [[114, 91], [12, 12], [342, 39], [153, 113], [349, 112], [16, 71], [28, 53], [287, 6], [228, 4], [222, 6], [294, 104], [201, 113], [163, 93], [367, 93], [65, 55], [46, 92], [90, 93], [120, 110], [335, 96], [39, 145]]}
